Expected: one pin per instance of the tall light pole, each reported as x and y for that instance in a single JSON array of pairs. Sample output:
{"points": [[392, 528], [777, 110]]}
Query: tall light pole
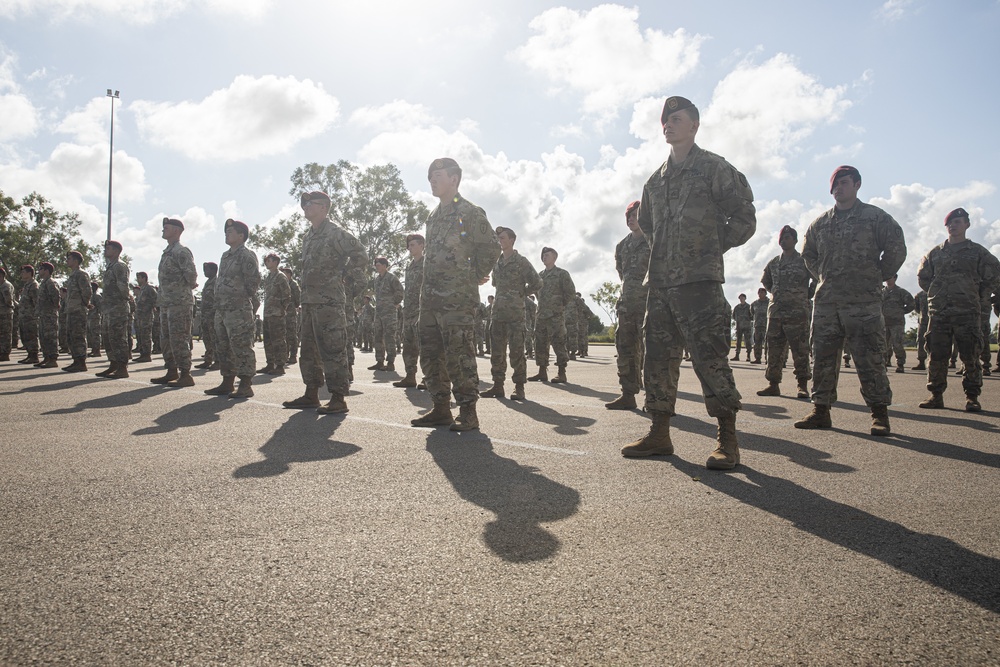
{"points": [[111, 155]]}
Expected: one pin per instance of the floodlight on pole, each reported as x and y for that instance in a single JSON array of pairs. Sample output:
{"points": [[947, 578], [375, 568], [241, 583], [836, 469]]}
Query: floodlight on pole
{"points": [[111, 155]]}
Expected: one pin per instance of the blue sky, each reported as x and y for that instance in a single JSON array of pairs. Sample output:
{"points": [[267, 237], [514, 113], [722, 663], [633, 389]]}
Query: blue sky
{"points": [[551, 108]]}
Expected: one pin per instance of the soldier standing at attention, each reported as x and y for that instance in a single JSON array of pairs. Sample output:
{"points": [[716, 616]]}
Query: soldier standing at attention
{"points": [[47, 311], [789, 281], [557, 294], [920, 306], [514, 279], [178, 278], [850, 250], [744, 327], [78, 295], [27, 307], [6, 315], [693, 209], [116, 312], [461, 250], [277, 296], [758, 310], [145, 303], [388, 295], [331, 257], [631, 262], [956, 275], [292, 317], [94, 320], [896, 303], [210, 270], [414, 277], [235, 287]]}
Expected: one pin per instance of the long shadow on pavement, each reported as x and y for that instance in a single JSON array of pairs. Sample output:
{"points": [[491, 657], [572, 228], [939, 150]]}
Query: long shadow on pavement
{"points": [[120, 400], [198, 413], [303, 438], [55, 386], [937, 448], [520, 496], [580, 390], [564, 424], [936, 560]]}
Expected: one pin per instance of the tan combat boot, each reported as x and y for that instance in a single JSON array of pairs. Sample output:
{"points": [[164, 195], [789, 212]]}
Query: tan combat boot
{"points": [[439, 416], [171, 375], [121, 373], [467, 419], [560, 377], [335, 405], [310, 399], [390, 365], [623, 402], [50, 362], [818, 418], [803, 389], [496, 391], [880, 420], [78, 366], [727, 455], [245, 390], [656, 442], [109, 371], [934, 402], [518, 394], [267, 370], [972, 403], [380, 366], [185, 380], [541, 376], [409, 381], [223, 389], [772, 389]]}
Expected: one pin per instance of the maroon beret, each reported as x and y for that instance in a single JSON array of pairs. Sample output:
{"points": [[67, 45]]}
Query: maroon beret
{"points": [[113, 244], [788, 229], [241, 226], [631, 207], [957, 213], [844, 170], [29, 268], [47, 265]]}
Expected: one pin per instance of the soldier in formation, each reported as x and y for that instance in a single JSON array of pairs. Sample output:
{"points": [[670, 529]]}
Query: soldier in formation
{"points": [[27, 307], [413, 277], [178, 277], [557, 294], [115, 312], [207, 314], [94, 321], [145, 303], [388, 295], [292, 316], [758, 311], [743, 317], [896, 304], [530, 313], [920, 307], [631, 262], [77, 303], [6, 315], [277, 296]]}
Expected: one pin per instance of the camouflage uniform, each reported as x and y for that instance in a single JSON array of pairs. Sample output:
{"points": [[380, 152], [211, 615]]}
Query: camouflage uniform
{"points": [[388, 295], [78, 294], [572, 328], [207, 315], [557, 294], [414, 276], [95, 324], [47, 311], [330, 256], [461, 250], [956, 277], [584, 313], [235, 286], [178, 277], [743, 317], [692, 213], [63, 322], [987, 310], [851, 253], [277, 296], [530, 312], [292, 319], [920, 306], [514, 279], [790, 284], [115, 311], [28, 317], [145, 303], [479, 326], [896, 303], [368, 326], [6, 318], [758, 310], [631, 262]]}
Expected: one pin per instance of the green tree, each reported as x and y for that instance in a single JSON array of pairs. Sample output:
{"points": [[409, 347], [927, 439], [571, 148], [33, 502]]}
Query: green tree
{"points": [[32, 231], [606, 297]]}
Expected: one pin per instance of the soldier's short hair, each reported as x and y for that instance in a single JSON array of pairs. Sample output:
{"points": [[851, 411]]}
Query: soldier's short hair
{"points": [[743, 296], [382, 260], [141, 274], [415, 237], [29, 268], [211, 269], [508, 231], [272, 257], [75, 255]]}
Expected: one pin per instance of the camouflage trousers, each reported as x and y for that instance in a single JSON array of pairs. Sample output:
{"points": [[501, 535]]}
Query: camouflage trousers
{"points": [[411, 346], [292, 333], [922, 340], [275, 343], [631, 347], [448, 356], [95, 325], [787, 333], [234, 333], [582, 333], [144, 333], [985, 355], [6, 325], [367, 333], [48, 334], [692, 317], [76, 333], [385, 337], [116, 343], [63, 331], [759, 338], [208, 334], [502, 335], [859, 326], [550, 331], [323, 356], [744, 338], [350, 318], [479, 329], [572, 335], [529, 338], [29, 333], [966, 332], [175, 336], [894, 344]]}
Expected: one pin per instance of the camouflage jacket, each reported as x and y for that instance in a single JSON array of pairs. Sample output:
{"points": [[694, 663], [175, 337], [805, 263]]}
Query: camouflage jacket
{"points": [[331, 256], [296, 291], [94, 315], [514, 279], [116, 289], [27, 304], [896, 303], [78, 291], [368, 314], [277, 294], [742, 316], [461, 250], [208, 300], [758, 309], [632, 263], [920, 305], [178, 277], [530, 311], [790, 284], [6, 297], [146, 301], [238, 279], [957, 277], [852, 253], [692, 213], [414, 276], [48, 298], [388, 294], [558, 292]]}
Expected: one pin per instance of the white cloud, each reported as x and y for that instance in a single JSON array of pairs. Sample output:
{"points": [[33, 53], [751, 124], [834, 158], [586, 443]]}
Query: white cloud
{"points": [[90, 124], [251, 118], [20, 118], [393, 116], [603, 54], [145, 244], [132, 11], [893, 10], [760, 115]]}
